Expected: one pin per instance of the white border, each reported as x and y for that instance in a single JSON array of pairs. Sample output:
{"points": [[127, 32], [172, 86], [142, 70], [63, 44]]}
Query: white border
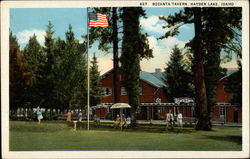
{"points": [[6, 5]]}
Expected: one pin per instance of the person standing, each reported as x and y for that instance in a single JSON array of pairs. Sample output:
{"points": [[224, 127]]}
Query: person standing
{"points": [[69, 116], [179, 119], [80, 115], [39, 114], [169, 120]]}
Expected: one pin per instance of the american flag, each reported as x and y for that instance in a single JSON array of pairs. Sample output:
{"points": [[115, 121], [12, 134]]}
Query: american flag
{"points": [[98, 20]]}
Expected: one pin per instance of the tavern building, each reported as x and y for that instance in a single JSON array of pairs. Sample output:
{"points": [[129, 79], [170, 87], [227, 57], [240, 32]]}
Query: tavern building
{"points": [[154, 104]]}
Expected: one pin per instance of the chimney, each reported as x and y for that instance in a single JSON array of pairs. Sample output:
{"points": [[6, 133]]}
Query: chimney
{"points": [[157, 70]]}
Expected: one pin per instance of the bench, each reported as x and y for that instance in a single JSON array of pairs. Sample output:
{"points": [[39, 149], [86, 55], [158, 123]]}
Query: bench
{"points": [[189, 121], [218, 120]]}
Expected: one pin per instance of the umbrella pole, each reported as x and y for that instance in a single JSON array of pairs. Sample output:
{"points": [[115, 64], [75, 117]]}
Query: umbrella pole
{"points": [[121, 117]]}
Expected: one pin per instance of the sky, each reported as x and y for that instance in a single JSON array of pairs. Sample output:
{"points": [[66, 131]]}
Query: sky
{"points": [[25, 22]]}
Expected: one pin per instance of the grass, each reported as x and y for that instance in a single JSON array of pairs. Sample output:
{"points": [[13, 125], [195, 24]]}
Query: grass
{"points": [[49, 135]]}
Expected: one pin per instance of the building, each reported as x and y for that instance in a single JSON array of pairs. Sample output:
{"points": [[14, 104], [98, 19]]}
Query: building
{"points": [[154, 104], [224, 110]]}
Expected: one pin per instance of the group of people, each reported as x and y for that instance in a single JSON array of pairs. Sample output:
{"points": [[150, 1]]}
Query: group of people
{"points": [[122, 121], [170, 120]]}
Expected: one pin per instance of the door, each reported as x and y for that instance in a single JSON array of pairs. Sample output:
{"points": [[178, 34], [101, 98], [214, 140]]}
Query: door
{"points": [[143, 113], [236, 116]]}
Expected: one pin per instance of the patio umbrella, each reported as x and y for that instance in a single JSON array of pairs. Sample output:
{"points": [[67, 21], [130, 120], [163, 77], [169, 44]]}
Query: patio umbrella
{"points": [[120, 106]]}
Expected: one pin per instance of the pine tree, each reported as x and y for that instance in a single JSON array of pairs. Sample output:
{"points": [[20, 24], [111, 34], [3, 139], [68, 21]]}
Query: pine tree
{"points": [[17, 79], [208, 42], [70, 72], [96, 92], [46, 85], [35, 59], [204, 122], [177, 79], [134, 48]]}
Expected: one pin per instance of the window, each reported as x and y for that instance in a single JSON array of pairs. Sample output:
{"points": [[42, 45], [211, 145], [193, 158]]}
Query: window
{"points": [[124, 91], [162, 109], [222, 111], [107, 91], [121, 78]]}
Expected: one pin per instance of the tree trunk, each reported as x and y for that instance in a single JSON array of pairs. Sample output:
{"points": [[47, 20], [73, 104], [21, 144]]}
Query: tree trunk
{"points": [[115, 57], [200, 87]]}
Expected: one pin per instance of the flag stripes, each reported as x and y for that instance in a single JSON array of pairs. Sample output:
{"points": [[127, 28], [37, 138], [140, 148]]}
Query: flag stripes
{"points": [[99, 20]]}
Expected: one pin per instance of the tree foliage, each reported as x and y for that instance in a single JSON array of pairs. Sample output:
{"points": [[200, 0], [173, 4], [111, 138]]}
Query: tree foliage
{"points": [[17, 74], [53, 76], [70, 71], [234, 85], [35, 60], [107, 37], [216, 34], [134, 48], [177, 79], [96, 92]]}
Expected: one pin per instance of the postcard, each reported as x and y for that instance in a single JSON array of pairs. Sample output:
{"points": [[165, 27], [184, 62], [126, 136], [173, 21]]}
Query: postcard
{"points": [[125, 79]]}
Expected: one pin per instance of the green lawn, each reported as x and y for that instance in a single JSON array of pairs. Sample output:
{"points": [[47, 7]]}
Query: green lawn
{"points": [[49, 135]]}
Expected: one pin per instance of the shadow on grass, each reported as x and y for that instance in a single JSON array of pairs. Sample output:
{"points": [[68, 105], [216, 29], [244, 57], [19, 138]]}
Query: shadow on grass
{"points": [[138, 128], [235, 139], [37, 128], [52, 126]]}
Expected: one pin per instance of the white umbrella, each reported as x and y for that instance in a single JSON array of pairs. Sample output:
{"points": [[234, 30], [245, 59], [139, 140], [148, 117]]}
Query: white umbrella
{"points": [[120, 106]]}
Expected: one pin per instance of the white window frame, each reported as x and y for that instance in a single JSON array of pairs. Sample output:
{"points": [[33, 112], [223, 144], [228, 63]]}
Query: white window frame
{"points": [[222, 111], [124, 91], [105, 91]]}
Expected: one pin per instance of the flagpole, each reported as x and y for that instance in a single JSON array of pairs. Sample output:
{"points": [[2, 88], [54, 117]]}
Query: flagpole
{"points": [[88, 64]]}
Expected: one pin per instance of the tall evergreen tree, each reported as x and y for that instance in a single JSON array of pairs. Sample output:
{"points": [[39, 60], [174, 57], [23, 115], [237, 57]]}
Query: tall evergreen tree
{"points": [[70, 71], [177, 79], [221, 36], [35, 59], [96, 92], [134, 48], [46, 85], [200, 85], [212, 39], [16, 74]]}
